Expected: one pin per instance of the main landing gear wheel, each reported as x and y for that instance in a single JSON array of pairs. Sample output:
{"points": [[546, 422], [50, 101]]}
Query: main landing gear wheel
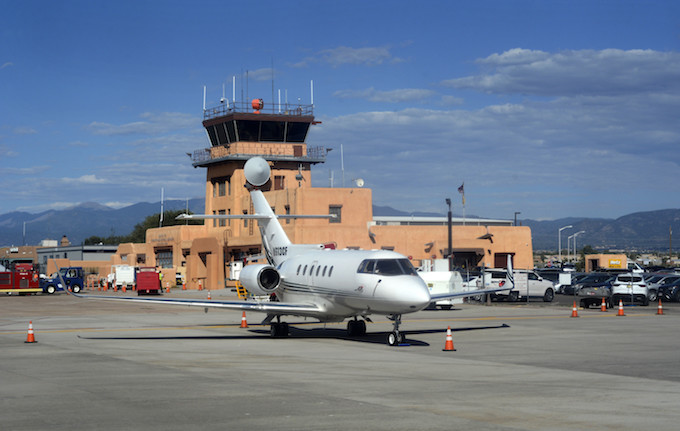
{"points": [[395, 337], [279, 330], [356, 328]]}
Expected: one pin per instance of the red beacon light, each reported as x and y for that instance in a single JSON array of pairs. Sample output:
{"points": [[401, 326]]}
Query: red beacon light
{"points": [[257, 105]]}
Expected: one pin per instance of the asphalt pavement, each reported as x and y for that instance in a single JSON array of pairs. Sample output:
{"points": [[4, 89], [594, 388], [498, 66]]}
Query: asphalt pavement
{"points": [[110, 366]]}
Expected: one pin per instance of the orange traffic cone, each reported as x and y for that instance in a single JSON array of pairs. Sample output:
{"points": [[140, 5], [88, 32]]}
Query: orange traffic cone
{"points": [[448, 347], [184, 286], [124, 288], [244, 322], [574, 310], [620, 313], [209, 298], [30, 338], [659, 310], [603, 306]]}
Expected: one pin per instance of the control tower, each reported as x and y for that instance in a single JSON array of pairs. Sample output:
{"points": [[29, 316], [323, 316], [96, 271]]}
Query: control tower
{"points": [[238, 131]]}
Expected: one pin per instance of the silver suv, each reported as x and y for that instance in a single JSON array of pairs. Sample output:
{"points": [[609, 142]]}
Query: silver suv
{"points": [[630, 287]]}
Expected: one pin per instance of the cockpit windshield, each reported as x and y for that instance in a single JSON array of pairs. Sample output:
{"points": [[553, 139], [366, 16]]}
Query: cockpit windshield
{"points": [[386, 267]]}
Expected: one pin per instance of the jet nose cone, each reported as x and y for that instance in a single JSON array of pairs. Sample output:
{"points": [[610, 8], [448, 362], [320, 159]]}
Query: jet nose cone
{"points": [[418, 297]]}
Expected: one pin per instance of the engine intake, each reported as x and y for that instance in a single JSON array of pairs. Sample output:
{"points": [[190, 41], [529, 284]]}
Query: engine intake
{"points": [[260, 279]]}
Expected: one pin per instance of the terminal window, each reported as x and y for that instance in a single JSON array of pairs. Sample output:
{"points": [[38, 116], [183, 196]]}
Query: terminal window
{"points": [[164, 258], [335, 210]]}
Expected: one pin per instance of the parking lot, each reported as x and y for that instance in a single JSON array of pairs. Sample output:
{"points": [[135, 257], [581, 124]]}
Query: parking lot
{"points": [[109, 365]]}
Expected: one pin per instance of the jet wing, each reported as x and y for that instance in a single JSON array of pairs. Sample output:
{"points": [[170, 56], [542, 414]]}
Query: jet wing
{"points": [[442, 296], [262, 307]]}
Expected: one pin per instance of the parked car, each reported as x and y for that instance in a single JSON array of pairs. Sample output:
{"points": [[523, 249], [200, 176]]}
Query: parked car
{"points": [[630, 287], [593, 295], [592, 279], [655, 284], [670, 291]]}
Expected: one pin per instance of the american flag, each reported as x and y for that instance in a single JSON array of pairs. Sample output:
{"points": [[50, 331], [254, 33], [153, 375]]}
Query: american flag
{"points": [[461, 190]]}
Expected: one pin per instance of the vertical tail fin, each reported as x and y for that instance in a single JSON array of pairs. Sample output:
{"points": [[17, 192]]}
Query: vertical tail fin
{"points": [[275, 242], [510, 274]]}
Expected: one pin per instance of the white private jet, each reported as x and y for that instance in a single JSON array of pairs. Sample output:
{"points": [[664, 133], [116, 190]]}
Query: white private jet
{"points": [[310, 280]]}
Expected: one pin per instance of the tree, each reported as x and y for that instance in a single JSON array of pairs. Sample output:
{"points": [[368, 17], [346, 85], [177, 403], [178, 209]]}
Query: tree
{"points": [[138, 234]]}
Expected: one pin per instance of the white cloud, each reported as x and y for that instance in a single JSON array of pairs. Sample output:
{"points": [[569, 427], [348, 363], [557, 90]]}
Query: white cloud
{"points": [[24, 131], [84, 179], [343, 55], [391, 96], [154, 123], [609, 72]]}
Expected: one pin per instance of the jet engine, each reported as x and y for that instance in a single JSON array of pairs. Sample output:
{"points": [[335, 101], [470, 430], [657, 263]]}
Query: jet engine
{"points": [[260, 279]]}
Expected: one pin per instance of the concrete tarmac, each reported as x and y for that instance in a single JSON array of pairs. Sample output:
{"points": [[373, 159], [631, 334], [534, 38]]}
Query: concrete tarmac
{"points": [[110, 366]]}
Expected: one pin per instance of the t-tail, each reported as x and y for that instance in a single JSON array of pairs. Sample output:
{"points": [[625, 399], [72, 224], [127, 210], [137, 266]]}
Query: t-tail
{"points": [[276, 245]]}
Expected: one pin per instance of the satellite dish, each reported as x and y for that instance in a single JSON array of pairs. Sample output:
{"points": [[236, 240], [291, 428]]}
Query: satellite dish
{"points": [[257, 171], [359, 182]]}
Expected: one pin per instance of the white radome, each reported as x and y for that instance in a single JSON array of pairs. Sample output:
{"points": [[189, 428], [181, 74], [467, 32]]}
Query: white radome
{"points": [[257, 171]]}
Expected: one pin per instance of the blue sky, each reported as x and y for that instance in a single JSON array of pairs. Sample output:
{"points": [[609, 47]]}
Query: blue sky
{"points": [[550, 108]]}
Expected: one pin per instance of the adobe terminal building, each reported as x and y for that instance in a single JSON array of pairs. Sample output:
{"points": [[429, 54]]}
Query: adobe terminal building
{"points": [[202, 255]]}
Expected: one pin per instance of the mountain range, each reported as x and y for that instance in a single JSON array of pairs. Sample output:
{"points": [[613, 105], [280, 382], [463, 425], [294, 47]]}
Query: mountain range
{"points": [[639, 231]]}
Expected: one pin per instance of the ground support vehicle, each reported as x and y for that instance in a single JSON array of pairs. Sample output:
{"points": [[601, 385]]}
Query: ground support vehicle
{"points": [[443, 282], [122, 275], [72, 276], [19, 279], [631, 288], [148, 281]]}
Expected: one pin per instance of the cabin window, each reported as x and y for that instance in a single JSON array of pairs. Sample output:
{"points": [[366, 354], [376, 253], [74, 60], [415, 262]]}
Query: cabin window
{"points": [[304, 270], [311, 270], [330, 271], [323, 274], [298, 271], [386, 267], [318, 268]]}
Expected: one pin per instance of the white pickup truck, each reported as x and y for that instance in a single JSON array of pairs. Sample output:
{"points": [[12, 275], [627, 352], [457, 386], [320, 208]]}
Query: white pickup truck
{"points": [[526, 283]]}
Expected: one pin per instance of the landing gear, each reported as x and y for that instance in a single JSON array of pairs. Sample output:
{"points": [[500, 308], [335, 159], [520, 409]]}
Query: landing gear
{"points": [[395, 337], [279, 329], [356, 328]]}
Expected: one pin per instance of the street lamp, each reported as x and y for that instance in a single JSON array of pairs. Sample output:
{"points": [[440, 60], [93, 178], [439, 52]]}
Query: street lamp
{"points": [[575, 235], [516, 212], [448, 202], [559, 240]]}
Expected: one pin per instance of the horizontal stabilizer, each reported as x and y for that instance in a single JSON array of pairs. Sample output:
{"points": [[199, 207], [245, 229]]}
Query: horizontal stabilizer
{"points": [[247, 216]]}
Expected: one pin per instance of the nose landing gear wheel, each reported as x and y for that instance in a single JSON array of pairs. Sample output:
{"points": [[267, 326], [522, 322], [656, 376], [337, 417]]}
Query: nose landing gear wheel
{"points": [[395, 337]]}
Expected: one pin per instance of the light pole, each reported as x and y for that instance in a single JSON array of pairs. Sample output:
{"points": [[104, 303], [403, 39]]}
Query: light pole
{"points": [[448, 202], [559, 241], [575, 235], [516, 212]]}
